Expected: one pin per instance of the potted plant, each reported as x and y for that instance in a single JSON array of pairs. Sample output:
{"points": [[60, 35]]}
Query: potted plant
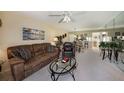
{"points": [[102, 45], [113, 45]]}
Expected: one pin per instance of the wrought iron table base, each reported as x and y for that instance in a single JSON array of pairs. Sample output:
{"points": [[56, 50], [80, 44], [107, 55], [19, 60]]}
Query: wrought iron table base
{"points": [[55, 75], [55, 78]]}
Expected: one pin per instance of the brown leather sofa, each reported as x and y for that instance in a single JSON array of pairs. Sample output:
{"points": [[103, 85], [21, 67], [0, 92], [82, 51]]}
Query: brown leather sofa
{"points": [[40, 58]]}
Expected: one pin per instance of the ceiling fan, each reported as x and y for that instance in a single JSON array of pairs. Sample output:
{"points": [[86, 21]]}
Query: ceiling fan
{"points": [[66, 17]]}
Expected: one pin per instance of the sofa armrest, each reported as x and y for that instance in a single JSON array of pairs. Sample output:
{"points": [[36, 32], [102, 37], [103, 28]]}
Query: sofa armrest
{"points": [[14, 61], [57, 50], [17, 68]]}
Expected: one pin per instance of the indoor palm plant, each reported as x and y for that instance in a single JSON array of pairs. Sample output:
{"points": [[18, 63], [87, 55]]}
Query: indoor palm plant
{"points": [[102, 45]]}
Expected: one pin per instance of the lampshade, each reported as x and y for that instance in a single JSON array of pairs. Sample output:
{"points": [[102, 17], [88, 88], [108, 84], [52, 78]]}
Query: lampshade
{"points": [[55, 39], [79, 37], [53, 43], [75, 36]]}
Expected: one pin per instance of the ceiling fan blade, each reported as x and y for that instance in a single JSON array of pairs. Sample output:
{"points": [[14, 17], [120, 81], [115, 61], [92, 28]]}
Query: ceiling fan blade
{"points": [[61, 20]]}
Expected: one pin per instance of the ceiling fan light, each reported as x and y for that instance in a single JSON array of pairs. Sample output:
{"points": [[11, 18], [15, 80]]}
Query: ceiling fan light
{"points": [[66, 19]]}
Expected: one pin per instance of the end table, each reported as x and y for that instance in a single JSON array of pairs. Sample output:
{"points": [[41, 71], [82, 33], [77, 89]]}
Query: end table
{"points": [[1, 62]]}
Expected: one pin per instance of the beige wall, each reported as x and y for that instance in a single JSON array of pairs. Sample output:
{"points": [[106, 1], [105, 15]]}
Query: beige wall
{"points": [[11, 30], [58, 32]]}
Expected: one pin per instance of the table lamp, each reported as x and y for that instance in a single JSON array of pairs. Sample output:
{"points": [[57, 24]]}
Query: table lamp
{"points": [[55, 39], [53, 43], [79, 37]]}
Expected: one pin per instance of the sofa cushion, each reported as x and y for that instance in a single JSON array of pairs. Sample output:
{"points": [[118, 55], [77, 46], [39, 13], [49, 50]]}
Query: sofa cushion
{"points": [[40, 60], [37, 60], [50, 49], [45, 47], [51, 54], [38, 50]]}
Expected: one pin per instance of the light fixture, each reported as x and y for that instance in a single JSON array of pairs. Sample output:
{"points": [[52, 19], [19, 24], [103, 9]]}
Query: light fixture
{"points": [[55, 39], [79, 37], [104, 33], [75, 36], [66, 19], [53, 43]]}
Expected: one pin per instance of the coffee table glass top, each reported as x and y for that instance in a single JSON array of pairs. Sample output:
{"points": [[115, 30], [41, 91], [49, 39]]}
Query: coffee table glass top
{"points": [[59, 67]]}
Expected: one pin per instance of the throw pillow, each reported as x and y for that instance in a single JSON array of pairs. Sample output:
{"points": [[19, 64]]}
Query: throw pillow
{"points": [[22, 53], [15, 53]]}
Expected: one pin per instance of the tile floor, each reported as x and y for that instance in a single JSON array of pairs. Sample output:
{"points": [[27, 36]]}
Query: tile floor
{"points": [[90, 68]]}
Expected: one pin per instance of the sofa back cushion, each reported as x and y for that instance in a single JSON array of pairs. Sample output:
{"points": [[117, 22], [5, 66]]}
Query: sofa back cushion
{"points": [[45, 47], [37, 49], [40, 49], [51, 49]]}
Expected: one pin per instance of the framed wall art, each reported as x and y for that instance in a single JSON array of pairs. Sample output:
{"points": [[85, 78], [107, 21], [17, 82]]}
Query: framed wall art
{"points": [[33, 34]]}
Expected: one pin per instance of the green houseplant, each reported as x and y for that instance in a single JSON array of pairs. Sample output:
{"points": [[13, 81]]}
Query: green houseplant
{"points": [[113, 45], [102, 45]]}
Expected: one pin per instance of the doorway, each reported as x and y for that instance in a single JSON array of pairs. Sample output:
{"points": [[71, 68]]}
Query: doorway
{"points": [[96, 38]]}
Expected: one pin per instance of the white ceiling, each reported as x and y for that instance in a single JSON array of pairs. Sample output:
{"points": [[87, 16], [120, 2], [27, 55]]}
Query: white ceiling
{"points": [[82, 20]]}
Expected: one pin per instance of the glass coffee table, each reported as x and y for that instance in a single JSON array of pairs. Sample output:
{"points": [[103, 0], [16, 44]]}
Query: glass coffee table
{"points": [[58, 68]]}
